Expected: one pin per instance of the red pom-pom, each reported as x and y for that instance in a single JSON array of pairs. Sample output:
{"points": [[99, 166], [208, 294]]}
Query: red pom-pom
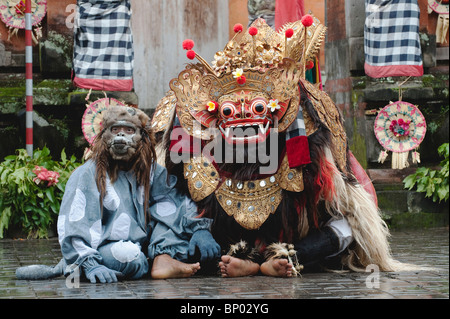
{"points": [[289, 33], [238, 28], [190, 54], [253, 31], [188, 44], [307, 20], [241, 80], [309, 65]]}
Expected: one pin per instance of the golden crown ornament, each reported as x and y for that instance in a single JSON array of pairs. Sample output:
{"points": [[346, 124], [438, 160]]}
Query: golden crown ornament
{"points": [[260, 60]]}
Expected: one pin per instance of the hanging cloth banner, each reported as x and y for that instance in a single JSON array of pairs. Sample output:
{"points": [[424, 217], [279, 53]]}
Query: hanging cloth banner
{"points": [[103, 50], [12, 13], [288, 11], [391, 38]]}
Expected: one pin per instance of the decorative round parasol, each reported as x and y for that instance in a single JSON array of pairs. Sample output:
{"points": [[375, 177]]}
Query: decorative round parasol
{"points": [[400, 127], [12, 13], [91, 124]]}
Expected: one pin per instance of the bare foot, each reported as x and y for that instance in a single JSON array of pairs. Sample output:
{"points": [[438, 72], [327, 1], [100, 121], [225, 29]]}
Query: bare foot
{"points": [[165, 267], [277, 268], [235, 267]]}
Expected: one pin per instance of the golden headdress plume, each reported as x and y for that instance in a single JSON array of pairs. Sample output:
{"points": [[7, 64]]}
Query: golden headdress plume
{"points": [[315, 34], [262, 48]]}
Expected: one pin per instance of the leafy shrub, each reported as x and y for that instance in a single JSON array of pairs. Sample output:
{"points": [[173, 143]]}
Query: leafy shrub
{"points": [[31, 190], [432, 182]]}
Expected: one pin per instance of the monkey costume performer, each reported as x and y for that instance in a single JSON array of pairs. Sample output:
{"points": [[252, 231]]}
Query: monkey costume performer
{"points": [[103, 227], [263, 153]]}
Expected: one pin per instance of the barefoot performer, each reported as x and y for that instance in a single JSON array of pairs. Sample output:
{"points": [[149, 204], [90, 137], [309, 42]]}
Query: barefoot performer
{"points": [[264, 153], [104, 227]]}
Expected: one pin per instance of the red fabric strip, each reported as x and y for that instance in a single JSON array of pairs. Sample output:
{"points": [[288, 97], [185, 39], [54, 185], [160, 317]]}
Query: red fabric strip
{"points": [[297, 149]]}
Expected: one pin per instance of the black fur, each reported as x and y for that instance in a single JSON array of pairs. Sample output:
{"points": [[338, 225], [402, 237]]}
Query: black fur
{"points": [[281, 226]]}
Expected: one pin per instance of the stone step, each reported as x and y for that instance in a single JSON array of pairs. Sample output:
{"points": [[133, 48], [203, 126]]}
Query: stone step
{"points": [[50, 92], [403, 208], [389, 176]]}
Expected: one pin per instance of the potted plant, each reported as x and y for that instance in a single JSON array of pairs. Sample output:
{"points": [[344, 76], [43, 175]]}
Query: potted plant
{"points": [[31, 190]]}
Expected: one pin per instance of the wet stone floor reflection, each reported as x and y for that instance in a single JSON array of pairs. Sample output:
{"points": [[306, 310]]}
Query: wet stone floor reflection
{"points": [[423, 247]]}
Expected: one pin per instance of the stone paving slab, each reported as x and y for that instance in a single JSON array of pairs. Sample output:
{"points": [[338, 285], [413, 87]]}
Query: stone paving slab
{"points": [[424, 247]]}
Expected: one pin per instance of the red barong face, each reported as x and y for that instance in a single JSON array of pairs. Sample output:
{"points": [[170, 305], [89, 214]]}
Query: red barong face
{"points": [[247, 117]]}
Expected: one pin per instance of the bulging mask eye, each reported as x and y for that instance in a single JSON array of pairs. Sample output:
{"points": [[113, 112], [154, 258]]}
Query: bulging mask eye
{"points": [[227, 110], [259, 106]]}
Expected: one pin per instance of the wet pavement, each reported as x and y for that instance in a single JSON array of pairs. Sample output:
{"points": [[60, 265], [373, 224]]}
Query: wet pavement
{"points": [[420, 247]]}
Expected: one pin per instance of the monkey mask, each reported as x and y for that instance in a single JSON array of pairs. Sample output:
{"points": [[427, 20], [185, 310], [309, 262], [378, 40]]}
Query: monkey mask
{"points": [[123, 131]]}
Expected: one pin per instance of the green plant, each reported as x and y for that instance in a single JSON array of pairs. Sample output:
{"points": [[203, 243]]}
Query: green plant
{"points": [[432, 182], [31, 190]]}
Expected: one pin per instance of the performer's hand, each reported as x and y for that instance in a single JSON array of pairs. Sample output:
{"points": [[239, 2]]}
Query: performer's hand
{"points": [[209, 248], [102, 274]]}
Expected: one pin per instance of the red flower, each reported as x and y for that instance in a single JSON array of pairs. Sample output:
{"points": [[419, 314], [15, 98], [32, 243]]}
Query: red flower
{"points": [[309, 65], [289, 33], [20, 8], [238, 28], [52, 178], [400, 128], [190, 55], [38, 169], [241, 80], [253, 31], [45, 175], [307, 20], [213, 106], [188, 44]]}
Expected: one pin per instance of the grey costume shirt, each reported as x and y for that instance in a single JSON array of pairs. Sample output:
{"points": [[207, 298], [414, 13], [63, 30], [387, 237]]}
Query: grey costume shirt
{"points": [[82, 228]]}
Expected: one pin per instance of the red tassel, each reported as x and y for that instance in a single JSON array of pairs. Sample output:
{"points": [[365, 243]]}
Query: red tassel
{"points": [[201, 213], [188, 44], [324, 181], [307, 20], [300, 204], [238, 28], [281, 237], [190, 55], [253, 31], [324, 186], [289, 33]]}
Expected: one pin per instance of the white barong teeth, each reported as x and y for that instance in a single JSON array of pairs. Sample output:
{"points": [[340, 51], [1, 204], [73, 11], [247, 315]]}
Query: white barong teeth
{"points": [[226, 131], [262, 128]]}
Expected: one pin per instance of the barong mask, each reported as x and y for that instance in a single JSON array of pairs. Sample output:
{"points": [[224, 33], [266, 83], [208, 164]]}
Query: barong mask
{"points": [[256, 81], [251, 86]]}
